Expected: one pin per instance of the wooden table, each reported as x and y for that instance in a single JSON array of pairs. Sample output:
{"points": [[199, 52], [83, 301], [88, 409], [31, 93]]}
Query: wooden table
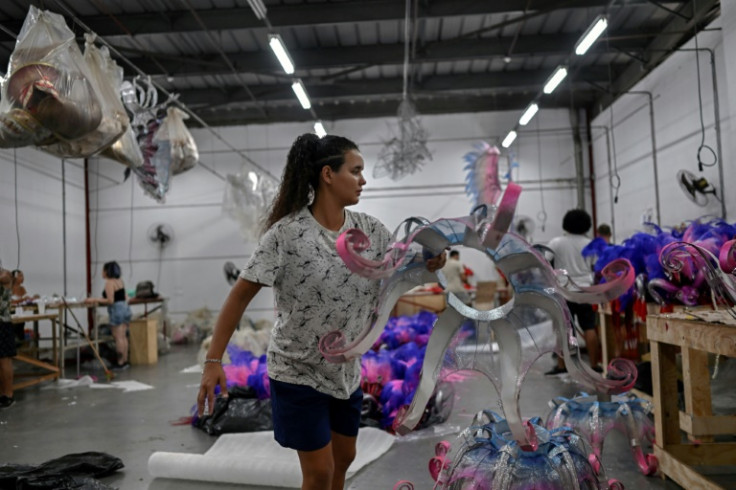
{"points": [[668, 334], [51, 371], [160, 303], [80, 341]]}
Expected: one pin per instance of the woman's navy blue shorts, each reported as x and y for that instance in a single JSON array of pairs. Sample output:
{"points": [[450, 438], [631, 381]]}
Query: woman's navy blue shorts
{"points": [[303, 418]]}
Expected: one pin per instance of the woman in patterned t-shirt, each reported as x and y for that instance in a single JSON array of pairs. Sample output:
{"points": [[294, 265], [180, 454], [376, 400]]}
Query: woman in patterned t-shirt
{"points": [[315, 404]]}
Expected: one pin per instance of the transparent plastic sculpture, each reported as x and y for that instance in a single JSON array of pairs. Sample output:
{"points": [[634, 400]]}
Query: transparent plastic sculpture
{"points": [[539, 293], [246, 200], [486, 456], [594, 419]]}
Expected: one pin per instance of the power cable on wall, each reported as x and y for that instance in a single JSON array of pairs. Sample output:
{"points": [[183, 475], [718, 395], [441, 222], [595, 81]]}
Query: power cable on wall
{"points": [[703, 146]]}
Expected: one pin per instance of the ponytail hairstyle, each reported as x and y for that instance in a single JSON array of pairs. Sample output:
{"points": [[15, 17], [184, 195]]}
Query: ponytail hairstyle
{"points": [[112, 270], [300, 180]]}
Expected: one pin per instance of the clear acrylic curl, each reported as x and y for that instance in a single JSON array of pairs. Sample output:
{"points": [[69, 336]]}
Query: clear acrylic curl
{"points": [[539, 294], [702, 267]]}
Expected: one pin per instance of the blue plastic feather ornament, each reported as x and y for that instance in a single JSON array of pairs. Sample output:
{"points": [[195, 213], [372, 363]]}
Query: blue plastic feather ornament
{"points": [[482, 182]]}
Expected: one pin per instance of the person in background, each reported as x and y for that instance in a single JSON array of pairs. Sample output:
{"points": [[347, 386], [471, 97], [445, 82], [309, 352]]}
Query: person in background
{"points": [[604, 231], [7, 340], [116, 299], [19, 296], [568, 256], [316, 404], [454, 273]]}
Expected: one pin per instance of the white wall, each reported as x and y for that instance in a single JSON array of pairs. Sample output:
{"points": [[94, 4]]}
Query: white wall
{"points": [[674, 86], [39, 224], [191, 267]]}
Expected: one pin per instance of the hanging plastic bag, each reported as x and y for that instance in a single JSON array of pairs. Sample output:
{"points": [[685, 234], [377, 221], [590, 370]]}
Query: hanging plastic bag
{"points": [[184, 153], [114, 118], [48, 81]]}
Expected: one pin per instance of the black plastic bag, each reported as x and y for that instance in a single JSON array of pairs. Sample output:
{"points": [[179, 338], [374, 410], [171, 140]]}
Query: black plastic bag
{"points": [[72, 471], [240, 411]]}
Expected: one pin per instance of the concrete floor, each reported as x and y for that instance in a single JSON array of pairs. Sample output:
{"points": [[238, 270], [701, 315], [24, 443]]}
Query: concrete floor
{"points": [[47, 423]]}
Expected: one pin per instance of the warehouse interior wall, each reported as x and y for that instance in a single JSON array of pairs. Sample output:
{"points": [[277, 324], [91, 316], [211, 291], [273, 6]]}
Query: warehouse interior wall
{"points": [[622, 138]]}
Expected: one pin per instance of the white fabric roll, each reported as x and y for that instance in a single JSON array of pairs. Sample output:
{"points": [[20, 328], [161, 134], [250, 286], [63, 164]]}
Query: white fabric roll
{"points": [[254, 458]]}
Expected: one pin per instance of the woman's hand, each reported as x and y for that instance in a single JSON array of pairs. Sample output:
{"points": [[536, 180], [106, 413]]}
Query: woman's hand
{"points": [[212, 375], [436, 262], [90, 301]]}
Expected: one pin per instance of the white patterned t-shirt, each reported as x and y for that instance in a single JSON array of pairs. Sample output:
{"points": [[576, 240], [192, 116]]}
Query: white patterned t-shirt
{"points": [[315, 293]]}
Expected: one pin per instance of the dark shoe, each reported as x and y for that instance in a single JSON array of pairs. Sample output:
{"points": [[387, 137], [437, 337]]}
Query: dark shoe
{"points": [[556, 370], [6, 401], [598, 369], [121, 367]]}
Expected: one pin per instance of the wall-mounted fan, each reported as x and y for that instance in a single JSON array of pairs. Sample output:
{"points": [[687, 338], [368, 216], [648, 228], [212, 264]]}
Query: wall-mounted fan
{"points": [[161, 235], [231, 272], [695, 188], [524, 226]]}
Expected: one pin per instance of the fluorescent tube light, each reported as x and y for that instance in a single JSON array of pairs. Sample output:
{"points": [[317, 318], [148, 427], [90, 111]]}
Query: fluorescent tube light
{"points": [[557, 77], [301, 94], [319, 129], [591, 34], [258, 8], [509, 139], [278, 48], [528, 114]]}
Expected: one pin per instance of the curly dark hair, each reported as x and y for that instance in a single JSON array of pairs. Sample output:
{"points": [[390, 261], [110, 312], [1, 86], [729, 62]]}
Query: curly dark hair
{"points": [[577, 222], [112, 270], [307, 156]]}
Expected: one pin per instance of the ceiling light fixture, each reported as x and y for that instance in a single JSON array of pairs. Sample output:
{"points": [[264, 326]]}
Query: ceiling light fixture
{"points": [[557, 77], [258, 8], [591, 34], [319, 129], [301, 94], [509, 139], [528, 114], [278, 48]]}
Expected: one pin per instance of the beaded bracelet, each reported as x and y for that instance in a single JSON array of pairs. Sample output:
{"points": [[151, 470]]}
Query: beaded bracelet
{"points": [[213, 361]]}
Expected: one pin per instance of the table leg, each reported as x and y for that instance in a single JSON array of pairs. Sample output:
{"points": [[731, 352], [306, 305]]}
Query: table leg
{"points": [[664, 384], [696, 381]]}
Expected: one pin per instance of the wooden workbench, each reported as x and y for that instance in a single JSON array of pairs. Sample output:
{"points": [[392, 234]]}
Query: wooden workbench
{"points": [[669, 334], [49, 371]]}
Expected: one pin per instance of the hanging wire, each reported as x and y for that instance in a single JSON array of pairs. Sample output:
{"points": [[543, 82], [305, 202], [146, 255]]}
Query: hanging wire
{"points": [[17, 224], [703, 146], [407, 13], [541, 215]]}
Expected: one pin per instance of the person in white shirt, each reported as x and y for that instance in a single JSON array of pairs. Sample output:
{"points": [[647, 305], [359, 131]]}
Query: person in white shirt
{"points": [[454, 272], [568, 256]]}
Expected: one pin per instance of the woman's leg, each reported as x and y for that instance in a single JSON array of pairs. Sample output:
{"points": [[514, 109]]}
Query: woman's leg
{"points": [[318, 468], [6, 376], [119, 333], [343, 454]]}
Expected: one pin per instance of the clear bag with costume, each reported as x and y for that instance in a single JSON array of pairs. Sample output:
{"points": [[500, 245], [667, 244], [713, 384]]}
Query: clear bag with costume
{"points": [[184, 153], [114, 118], [46, 95]]}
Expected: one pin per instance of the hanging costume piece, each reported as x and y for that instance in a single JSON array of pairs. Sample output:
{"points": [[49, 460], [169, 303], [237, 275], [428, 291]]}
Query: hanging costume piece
{"points": [[482, 182], [46, 95], [406, 152], [246, 200], [114, 118]]}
